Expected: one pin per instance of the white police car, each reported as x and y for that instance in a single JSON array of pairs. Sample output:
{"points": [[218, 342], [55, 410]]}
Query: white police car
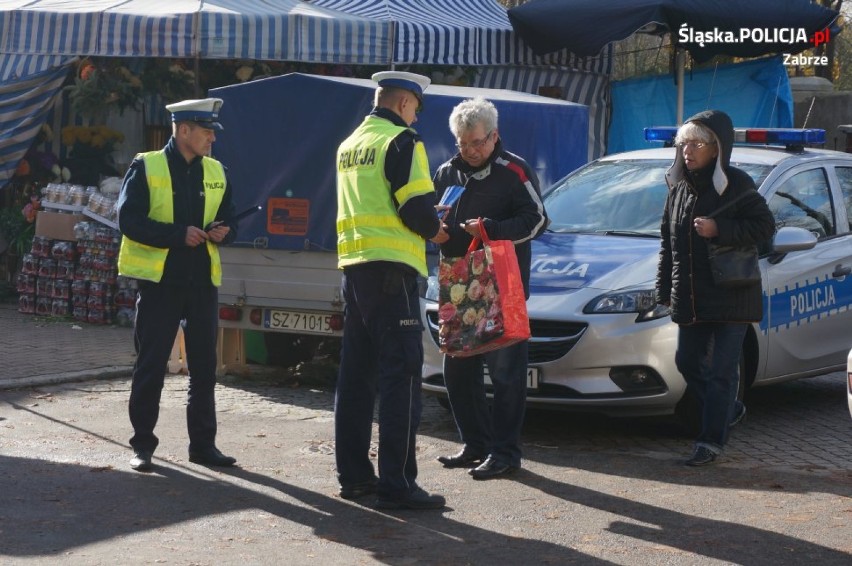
{"points": [[599, 341]]}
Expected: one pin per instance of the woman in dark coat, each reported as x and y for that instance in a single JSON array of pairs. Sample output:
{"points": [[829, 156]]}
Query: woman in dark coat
{"points": [[712, 320]]}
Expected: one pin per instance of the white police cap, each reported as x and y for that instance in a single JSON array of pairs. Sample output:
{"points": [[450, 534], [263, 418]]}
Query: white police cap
{"points": [[204, 112], [401, 79]]}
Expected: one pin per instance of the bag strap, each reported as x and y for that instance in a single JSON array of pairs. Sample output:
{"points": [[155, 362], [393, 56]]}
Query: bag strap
{"points": [[727, 205], [474, 243]]}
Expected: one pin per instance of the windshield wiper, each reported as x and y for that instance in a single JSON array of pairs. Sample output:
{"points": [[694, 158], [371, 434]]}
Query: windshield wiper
{"points": [[627, 233]]}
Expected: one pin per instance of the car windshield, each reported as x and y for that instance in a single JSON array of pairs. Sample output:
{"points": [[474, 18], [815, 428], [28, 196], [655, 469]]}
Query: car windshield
{"points": [[617, 197]]}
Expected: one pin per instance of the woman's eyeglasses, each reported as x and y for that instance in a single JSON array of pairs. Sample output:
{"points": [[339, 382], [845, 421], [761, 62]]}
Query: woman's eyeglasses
{"points": [[475, 144], [694, 144]]}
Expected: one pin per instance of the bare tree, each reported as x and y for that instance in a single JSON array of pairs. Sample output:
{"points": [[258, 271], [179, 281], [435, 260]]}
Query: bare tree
{"points": [[842, 53], [827, 49]]}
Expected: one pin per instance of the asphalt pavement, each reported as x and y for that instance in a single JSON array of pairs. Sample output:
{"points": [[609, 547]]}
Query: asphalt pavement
{"points": [[593, 490]]}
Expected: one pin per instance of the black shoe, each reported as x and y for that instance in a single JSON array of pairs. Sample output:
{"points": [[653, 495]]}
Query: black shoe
{"points": [[466, 458], [141, 461], [416, 499], [492, 468], [739, 417], [211, 457], [357, 490], [701, 457]]}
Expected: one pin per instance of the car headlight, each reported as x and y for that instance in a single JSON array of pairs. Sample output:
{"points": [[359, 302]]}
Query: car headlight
{"points": [[430, 290], [640, 301]]}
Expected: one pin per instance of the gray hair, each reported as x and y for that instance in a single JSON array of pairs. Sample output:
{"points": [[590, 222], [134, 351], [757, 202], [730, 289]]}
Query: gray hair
{"points": [[466, 115], [694, 131]]}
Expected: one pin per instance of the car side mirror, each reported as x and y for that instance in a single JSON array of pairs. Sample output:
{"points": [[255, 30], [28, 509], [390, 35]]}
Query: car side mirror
{"points": [[790, 239], [793, 239]]}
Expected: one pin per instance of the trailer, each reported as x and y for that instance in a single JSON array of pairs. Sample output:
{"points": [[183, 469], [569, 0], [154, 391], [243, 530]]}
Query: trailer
{"points": [[279, 145]]}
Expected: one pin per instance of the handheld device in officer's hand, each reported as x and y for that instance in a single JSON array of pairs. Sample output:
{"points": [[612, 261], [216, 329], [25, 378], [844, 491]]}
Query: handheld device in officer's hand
{"points": [[237, 217]]}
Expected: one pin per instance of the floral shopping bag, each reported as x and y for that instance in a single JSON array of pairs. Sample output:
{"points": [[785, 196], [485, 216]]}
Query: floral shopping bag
{"points": [[481, 300]]}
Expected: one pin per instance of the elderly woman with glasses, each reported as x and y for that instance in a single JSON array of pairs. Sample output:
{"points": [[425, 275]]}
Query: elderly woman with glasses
{"points": [[712, 320], [501, 194]]}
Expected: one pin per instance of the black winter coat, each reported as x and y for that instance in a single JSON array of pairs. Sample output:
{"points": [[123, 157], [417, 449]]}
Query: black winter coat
{"points": [[505, 193], [684, 280]]}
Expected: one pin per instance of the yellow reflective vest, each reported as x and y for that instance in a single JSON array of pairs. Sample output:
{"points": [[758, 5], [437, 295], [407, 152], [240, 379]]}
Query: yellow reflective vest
{"points": [[141, 261], [368, 225]]}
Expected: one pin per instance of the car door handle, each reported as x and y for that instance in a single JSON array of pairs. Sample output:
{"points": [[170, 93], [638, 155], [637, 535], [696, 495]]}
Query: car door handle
{"points": [[840, 271]]}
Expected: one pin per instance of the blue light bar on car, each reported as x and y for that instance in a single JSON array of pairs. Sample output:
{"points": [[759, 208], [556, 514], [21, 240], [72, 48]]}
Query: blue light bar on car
{"points": [[661, 133], [778, 136]]}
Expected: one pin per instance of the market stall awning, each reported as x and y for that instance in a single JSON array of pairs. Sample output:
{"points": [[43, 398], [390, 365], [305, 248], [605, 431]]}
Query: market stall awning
{"points": [[24, 105], [39, 38], [457, 32], [288, 30]]}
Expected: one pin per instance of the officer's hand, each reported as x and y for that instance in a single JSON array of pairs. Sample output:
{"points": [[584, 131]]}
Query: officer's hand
{"points": [[441, 236], [442, 210], [195, 236], [218, 232]]}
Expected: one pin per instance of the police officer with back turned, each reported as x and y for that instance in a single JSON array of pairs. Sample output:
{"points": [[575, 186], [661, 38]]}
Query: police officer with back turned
{"points": [[385, 212], [174, 212]]}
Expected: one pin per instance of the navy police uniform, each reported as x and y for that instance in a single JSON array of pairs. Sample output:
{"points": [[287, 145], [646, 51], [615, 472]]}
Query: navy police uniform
{"points": [[185, 293], [382, 350]]}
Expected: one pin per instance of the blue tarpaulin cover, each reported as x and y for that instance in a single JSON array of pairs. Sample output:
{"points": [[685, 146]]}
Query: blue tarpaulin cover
{"points": [[281, 136], [755, 94]]}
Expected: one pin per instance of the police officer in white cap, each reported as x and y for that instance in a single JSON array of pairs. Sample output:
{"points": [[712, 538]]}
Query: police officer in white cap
{"points": [[174, 211], [385, 213]]}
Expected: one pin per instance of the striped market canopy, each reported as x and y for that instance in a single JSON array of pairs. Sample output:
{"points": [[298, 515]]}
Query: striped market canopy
{"points": [[40, 38], [288, 30], [458, 32], [24, 105]]}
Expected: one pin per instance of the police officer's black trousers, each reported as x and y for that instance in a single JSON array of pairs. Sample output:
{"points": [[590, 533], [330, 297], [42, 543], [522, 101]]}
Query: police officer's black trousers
{"points": [[159, 311], [382, 353]]}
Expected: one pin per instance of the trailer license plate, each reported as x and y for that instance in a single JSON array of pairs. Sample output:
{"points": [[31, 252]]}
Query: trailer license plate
{"points": [[532, 377], [317, 323]]}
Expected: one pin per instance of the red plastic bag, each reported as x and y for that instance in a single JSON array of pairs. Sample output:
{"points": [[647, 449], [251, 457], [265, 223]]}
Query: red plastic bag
{"points": [[481, 299]]}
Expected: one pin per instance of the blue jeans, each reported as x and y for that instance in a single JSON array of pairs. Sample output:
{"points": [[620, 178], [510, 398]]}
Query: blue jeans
{"points": [[708, 356], [495, 432]]}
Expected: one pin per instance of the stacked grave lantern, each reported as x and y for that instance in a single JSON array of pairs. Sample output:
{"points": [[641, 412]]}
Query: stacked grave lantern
{"points": [[72, 268], [47, 272], [96, 281]]}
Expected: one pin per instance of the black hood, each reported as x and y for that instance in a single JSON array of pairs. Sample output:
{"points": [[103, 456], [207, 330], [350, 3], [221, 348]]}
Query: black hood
{"points": [[720, 124]]}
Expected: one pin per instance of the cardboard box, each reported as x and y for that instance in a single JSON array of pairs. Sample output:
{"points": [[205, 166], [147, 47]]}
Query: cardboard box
{"points": [[57, 225]]}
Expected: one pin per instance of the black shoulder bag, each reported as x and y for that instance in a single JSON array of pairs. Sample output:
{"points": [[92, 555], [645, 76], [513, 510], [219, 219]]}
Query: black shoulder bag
{"points": [[733, 266]]}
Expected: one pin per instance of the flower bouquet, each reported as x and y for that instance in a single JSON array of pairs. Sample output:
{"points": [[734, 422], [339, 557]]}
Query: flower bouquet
{"points": [[90, 141], [102, 84], [90, 156]]}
